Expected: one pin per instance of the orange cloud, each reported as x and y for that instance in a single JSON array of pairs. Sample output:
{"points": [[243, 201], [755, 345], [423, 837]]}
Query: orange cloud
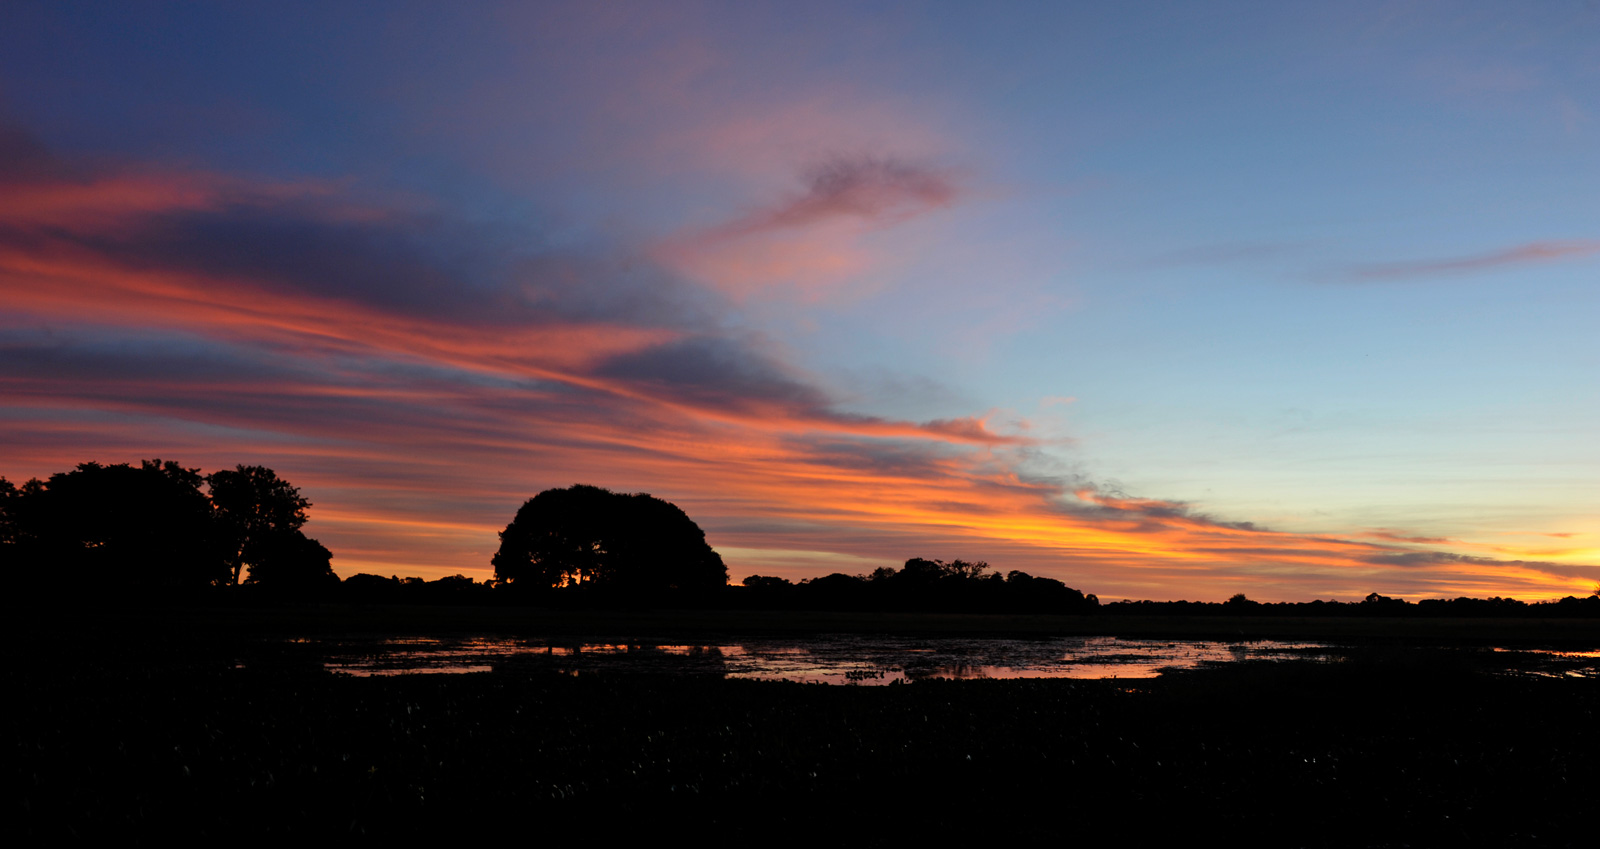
{"points": [[418, 404], [1385, 534]]}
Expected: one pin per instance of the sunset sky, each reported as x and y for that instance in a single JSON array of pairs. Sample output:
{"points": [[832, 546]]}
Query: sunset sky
{"points": [[1165, 300]]}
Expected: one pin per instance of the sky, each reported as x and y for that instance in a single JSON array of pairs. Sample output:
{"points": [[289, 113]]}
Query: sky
{"points": [[1163, 300]]}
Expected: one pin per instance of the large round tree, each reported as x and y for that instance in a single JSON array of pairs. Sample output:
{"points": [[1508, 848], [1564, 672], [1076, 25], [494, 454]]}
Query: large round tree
{"points": [[588, 535]]}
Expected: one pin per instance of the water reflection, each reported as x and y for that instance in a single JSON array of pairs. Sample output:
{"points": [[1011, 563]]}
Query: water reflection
{"points": [[869, 660], [830, 659], [1552, 663]]}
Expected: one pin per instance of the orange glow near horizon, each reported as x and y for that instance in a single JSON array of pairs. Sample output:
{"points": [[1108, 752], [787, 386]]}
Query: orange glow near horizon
{"points": [[417, 436]]}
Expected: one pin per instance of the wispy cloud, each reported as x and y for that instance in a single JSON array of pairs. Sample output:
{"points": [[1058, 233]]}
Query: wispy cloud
{"points": [[1386, 534], [811, 239], [1525, 254], [419, 381], [874, 190]]}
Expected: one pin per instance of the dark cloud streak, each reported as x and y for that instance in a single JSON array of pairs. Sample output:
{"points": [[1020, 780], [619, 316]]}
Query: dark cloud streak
{"points": [[865, 188], [1524, 254]]}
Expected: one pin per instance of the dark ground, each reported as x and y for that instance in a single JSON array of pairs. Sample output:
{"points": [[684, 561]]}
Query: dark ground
{"points": [[146, 731], [433, 620]]}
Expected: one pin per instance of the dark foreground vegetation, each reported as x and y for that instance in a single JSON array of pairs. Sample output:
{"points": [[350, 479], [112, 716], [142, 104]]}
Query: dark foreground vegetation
{"points": [[147, 734]]}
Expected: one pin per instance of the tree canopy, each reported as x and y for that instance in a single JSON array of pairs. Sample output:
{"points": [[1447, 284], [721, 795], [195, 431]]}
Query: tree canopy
{"points": [[116, 526], [588, 535], [259, 515], [108, 528]]}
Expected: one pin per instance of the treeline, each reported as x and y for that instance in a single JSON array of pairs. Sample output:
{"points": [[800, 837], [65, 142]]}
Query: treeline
{"points": [[1373, 605], [931, 585], [922, 585], [159, 529]]}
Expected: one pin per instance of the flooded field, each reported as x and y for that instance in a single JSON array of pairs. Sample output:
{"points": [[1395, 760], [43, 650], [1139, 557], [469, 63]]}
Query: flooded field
{"points": [[873, 660], [153, 730]]}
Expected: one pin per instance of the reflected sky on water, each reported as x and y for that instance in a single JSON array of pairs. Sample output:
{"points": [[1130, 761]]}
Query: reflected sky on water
{"points": [[835, 659], [865, 660]]}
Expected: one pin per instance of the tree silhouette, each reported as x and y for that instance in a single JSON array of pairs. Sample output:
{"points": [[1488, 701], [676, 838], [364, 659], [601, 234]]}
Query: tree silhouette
{"points": [[588, 535], [105, 529], [120, 526], [260, 515], [922, 570], [10, 526], [292, 562]]}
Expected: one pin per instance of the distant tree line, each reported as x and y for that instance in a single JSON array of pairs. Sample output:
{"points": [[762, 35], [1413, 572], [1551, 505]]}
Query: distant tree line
{"points": [[936, 586], [162, 528], [454, 589], [159, 528], [922, 584], [1373, 605]]}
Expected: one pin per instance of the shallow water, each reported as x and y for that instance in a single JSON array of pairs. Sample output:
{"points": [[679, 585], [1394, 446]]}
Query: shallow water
{"points": [[829, 659], [873, 660]]}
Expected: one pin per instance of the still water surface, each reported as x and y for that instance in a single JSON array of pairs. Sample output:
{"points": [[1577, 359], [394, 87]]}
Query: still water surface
{"points": [[828, 659], [867, 660]]}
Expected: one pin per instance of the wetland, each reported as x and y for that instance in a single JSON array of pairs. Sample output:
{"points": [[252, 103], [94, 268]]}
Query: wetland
{"points": [[141, 727]]}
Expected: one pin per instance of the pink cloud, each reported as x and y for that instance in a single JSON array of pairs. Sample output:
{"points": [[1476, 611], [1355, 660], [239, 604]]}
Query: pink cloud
{"points": [[867, 189], [418, 411], [811, 240], [816, 266]]}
